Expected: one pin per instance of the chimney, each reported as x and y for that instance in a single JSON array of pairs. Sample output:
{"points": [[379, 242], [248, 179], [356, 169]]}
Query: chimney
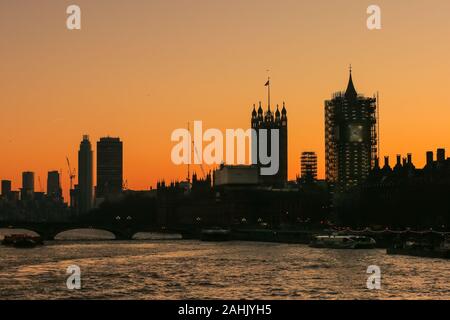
{"points": [[386, 161], [398, 165], [409, 158], [430, 158], [441, 155]]}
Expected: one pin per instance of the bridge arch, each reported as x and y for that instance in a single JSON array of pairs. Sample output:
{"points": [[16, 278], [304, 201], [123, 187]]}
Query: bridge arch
{"points": [[15, 230], [83, 233]]}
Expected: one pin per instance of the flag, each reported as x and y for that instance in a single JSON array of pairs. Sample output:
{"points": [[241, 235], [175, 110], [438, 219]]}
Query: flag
{"points": [[267, 83]]}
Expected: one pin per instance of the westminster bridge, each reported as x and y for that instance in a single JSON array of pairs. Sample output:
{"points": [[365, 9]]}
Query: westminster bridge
{"points": [[49, 230]]}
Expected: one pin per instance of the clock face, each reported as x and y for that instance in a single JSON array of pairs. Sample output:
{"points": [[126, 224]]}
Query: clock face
{"points": [[355, 133]]}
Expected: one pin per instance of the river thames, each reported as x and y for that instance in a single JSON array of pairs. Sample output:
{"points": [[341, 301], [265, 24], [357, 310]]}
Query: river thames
{"points": [[181, 269]]}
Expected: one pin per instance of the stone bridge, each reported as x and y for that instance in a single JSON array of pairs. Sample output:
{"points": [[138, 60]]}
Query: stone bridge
{"points": [[49, 230]]}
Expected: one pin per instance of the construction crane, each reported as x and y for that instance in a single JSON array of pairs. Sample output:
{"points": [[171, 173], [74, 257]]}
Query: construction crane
{"points": [[72, 173], [198, 156], [190, 154]]}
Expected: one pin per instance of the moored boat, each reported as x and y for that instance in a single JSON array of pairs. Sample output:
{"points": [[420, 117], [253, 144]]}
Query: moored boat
{"points": [[342, 242], [421, 249]]}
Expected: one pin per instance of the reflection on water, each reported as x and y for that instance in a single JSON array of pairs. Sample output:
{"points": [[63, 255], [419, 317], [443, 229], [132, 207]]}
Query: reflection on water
{"points": [[235, 270]]}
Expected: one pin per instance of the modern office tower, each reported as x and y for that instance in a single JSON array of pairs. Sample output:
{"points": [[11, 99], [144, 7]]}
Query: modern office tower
{"points": [[27, 191], [350, 137], [109, 167], [6, 188], [54, 190], [85, 175], [308, 165], [272, 121]]}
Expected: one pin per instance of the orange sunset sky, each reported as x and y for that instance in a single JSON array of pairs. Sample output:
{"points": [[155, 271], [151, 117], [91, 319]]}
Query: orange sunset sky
{"points": [[140, 69]]}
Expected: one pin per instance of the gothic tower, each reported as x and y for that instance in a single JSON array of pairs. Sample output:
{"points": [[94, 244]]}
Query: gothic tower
{"points": [[272, 121], [350, 137]]}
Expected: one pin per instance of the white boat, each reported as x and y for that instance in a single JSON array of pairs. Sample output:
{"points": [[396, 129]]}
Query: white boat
{"points": [[343, 242]]}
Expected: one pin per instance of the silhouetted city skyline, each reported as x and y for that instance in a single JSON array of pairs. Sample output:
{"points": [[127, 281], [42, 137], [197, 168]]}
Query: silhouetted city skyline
{"points": [[346, 122]]}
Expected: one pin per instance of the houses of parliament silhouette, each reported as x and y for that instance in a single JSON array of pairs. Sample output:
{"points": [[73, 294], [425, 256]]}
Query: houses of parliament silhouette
{"points": [[351, 138]]}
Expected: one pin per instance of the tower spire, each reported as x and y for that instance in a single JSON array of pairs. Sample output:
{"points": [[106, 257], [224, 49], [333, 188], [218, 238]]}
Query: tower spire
{"points": [[351, 91]]}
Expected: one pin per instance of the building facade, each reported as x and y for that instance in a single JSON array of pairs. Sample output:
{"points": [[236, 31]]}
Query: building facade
{"points": [[109, 167], [350, 138], [269, 121], [54, 190], [402, 195], [240, 175], [84, 189], [308, 166], [6, 188], [27, 191]]}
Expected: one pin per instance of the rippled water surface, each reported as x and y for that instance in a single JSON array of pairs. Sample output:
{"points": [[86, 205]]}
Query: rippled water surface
{"points": [[234, 270]]}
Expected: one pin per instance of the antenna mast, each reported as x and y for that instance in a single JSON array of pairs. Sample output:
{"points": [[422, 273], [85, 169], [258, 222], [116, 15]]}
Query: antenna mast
{"points": [[378, 124], [189, 159], [198, 156]]}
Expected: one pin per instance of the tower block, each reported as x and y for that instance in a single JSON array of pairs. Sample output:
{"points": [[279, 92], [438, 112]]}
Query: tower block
{"points": [[272, 121]]}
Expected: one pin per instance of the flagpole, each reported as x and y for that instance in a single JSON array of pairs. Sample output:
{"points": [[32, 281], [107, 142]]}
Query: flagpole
{"points": [[190, 154], [268, 89]]}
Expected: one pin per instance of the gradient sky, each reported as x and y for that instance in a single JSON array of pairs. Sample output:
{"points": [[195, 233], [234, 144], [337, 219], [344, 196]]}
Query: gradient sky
{"points": [[140, 69]]}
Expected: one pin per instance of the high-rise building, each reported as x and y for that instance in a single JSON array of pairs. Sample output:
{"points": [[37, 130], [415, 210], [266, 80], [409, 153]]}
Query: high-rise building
{"points": [[54, 190], [109, 167], [6, 187], [440, 155], [27, 191], [272, 121], [350, 137], [85, 177], [308, 165]]}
